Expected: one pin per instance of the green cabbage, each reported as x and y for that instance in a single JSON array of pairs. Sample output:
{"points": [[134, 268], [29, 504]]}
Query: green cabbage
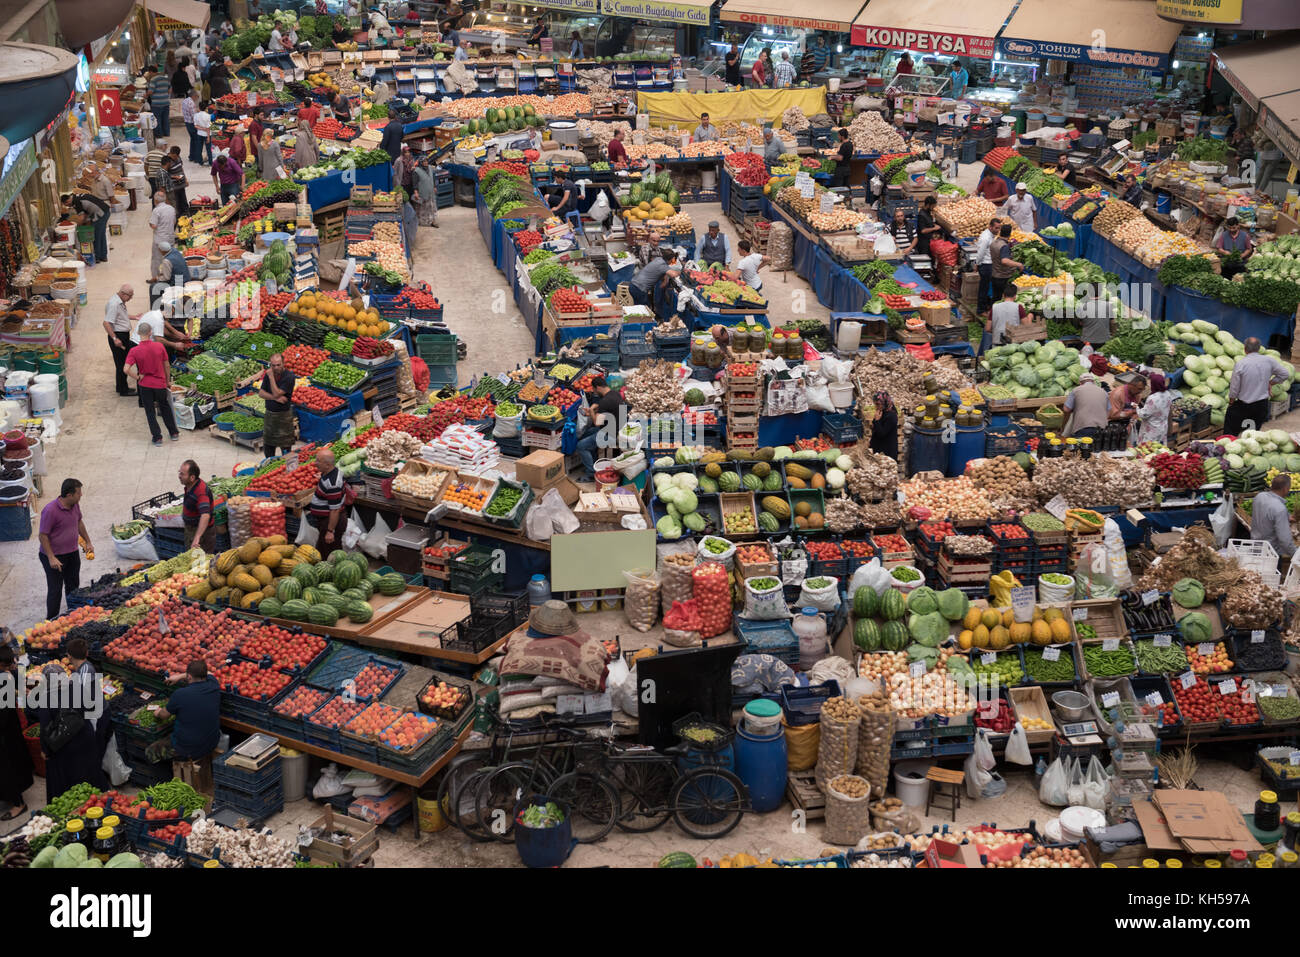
{"points": [[923, 601], [953, 604], [668, 528], [1195, 627], [1189, 593], [929, 629]]}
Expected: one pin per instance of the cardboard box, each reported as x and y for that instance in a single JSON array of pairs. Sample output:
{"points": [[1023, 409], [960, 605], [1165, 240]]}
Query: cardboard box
{"points": [[1199, 822], [947, 854], [541, 469]]}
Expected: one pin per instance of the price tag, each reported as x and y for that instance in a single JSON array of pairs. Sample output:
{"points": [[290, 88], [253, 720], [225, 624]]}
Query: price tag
{"points": [[988, 657], [163, 627], [1294, 758], [1257, 636], [199, 377], [291, 462], [917, 669], [827, 204], [807, 190], [1281, 691], [1155, 699], [1205, 648], [1022, 603], [1162, 641], [1051, 654], [1079, 614], [568, 704], [1110, 644], [1057, 507], [503, 378], [1187, 679], [1110, 699], [1150, 597], [596, 703], [1228, 687], [146, 695]]}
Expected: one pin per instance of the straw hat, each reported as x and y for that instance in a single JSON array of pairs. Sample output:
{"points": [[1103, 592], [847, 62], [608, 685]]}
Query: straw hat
{"points": [[553, 618]]}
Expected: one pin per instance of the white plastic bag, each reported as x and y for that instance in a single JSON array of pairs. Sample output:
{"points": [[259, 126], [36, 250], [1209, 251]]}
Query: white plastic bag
{"points": [[330, 783], [138, 548], [819, 395], [981, 780], [375, 541], [724, 558], [537, 523], [1096, 785], [872, 575], [118, 771], [1222, 521], [826, 598], [836, 370], [1018, 746], [1092, 577], [308, 534], [562, 519], [764, 604], [1118, 556], [620, 683], [1054, 789], [352, 534], [1076, 792]]}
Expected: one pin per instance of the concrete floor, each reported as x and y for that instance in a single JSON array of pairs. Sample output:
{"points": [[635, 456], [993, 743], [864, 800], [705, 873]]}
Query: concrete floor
{"points": [[104, 442]]}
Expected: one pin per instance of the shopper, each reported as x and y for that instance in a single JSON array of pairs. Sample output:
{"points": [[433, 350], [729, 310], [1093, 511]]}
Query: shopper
{"points": [[992, 187], [926, 228], [15, 760], [903, 233], [391, 141], [649, 281], [219, 80], [181, 84], [1269, 519], [102, 187], [196, 706], [227, 177], [238, 147], [255, 129], [1003, 266], [1252, 378], [269, 158], [203, 129], [153, 167], [715, 248], [462, 52], [564, 195], [61, 526], [189, 107], [117, 323], [1153, 415], [1087, 409], [616, 152], [174, 181], [85, 209], [603, 417], [706, 132], [773, 146], [758, 72], [575, 46], [404, 169], [843, 158], [884, 426], [1096, 318], [160, 103], [425, 193], [197, 508], [904, 66], [153, 372], [327, 504], [306, 151], [172, 268], [731, 66], [276, 389], [769, 68], [71, 730], [783, 73], [1004, 315], [748, 264], [1125, 398], [1021, 210], [984, 265]]}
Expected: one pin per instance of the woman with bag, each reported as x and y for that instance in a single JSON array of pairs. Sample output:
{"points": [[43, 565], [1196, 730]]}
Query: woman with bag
{"points": [[71, 738], [884, 426]]}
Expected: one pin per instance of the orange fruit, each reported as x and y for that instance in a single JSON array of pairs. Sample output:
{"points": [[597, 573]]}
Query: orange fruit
{"points": [[351, 325]]}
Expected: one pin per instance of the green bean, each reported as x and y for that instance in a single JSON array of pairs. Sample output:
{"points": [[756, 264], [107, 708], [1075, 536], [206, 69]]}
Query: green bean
{"points": [[1039, 669], [1107, 664], [1153, 660]]}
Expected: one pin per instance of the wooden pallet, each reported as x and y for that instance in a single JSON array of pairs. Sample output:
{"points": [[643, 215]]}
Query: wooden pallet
{"points": [[801, 789], [233, 439]]}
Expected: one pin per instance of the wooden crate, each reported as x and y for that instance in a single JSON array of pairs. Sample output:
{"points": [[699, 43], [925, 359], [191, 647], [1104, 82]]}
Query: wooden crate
{"points": [[418, 467], [755, 569], [737, 502], [1104, 614], [1026, 332], [359, 841], [1030, 702], [972, 573], [801, 788]]}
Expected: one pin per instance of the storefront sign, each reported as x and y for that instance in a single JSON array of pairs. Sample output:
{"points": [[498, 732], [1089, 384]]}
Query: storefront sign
{"points": [[110, 74], [1201, 11], [1084, 53], [781, 20], [167, 23], [659, 11], [17, 172], [923, 41], [591, 7]]}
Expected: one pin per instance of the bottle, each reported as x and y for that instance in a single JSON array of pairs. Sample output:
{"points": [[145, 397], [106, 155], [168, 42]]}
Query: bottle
{"points": [[1213, 864], [810, 628], [93, 815], [74, 832], [1289, 859], [1267, 815], [106, 844], [1173, 862], [539, 591], [1237, 858], [1291, 835]]}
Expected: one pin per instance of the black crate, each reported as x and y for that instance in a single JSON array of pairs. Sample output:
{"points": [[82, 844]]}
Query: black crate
{"points": [[840, 427], [515, 603], [158, 501]]}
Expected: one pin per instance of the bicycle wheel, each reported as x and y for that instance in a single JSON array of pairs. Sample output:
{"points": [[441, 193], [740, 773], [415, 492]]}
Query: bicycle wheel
{"points": [[463, 795], [708, 802], [503, 788], [456, 773], [592, 802], [646, 787]]}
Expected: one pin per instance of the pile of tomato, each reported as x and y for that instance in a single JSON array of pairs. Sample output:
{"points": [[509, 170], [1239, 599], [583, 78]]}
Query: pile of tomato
{"points": [[1004, 531], [303, 360], [818, 443], [172, 635], [748, 169], [892, 543], [528, 239], [562, 397], [570, 300], [742, 369], [330, 128], [285, 650], [996, 716], [858, 549], [279, 481], [316, 400], [895, 301], [933, 295], [301, 702], [824, 551], [1203, 702], [418, 298], [936, 532], [169, 832], [514, 169]]}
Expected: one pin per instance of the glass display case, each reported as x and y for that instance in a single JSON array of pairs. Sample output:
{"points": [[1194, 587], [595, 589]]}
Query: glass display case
{"points": [[1013, 73], [564, 25], [627, 39], [509, 23], [757, 42]]}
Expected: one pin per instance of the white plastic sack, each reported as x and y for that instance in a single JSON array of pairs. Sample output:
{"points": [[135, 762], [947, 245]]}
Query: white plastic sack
{"points": [[507, 427], [138, 548], [764, 604], [872, 575], [620, 683], [832, 668], [1117, 554], [819, 395], [375, 542], [537, 523], [352, 534], [1054, 789], [826, 598], [1018, 746], [1096, 785], [1222, 522], [308, 534], [885, 245], [330, 783], [726, 558], [836, 370], [562, 519], [1076, 792], [118, 771], [1092, 577]]}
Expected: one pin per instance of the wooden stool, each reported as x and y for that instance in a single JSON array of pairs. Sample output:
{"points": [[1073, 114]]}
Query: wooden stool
{"points": [[197, 773], [946, 783]]}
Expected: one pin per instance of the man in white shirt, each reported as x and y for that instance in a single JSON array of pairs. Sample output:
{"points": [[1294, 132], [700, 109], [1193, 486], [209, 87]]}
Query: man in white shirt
{"points": [[1269, 520], [1020, 210], [163, 223], [706, 132], [984, 264], [462, 51], [203, 129], [748, 264], [773, 146], [276, 43], [117, 323]]}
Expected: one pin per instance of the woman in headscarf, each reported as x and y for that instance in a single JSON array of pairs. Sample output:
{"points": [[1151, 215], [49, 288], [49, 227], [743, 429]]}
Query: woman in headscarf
{"points": [[425, 193], [15, 759], [306, 151], [884, 426], [1153, 415], [269, 157]]}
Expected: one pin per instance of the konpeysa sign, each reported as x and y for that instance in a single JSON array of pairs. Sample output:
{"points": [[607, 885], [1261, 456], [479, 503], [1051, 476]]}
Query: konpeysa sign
{"points": [[1096, 55], [922, 41]]}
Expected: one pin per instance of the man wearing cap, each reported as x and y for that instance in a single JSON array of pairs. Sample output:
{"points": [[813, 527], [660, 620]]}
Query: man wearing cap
{"points": [[1087, 409], [163, 223], [773, 146], [705, 132], [1020, 209], [715, 247], [172, 268]]}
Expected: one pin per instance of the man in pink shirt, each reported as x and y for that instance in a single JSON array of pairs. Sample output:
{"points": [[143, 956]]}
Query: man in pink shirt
{"points": [[309, 111], [61, 526], [148, 361]]}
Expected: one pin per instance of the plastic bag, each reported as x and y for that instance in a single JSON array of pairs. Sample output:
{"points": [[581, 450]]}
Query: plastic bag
{"points": [[1076, 793], [836, 370], [309, 534], [375, 542], [641, 598], [118, 771], [507, 427], [682, 625], [872, 575], [1018, 746], [1118, 555], [1095, 785], [826, 598], [353, 533], [330, 783], [1054, 789], [819, 395], [1092, 578], [725, 558], [1223, 521], [831, 668], [764, 604], [137, 548], [562, 519], [537, 523], [620, 683]]}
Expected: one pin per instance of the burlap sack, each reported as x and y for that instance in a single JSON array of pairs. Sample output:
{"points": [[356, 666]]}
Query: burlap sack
{"points": [[848, 817], [837, 752], [875, 737]]}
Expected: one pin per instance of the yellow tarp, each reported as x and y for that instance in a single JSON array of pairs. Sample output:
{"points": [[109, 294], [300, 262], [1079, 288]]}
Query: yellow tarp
{"points": [[749, 106]]}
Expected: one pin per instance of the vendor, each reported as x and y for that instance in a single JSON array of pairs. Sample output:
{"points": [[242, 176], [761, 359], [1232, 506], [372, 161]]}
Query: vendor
{"points": [[926, 228], [650, 281], [601, 414], [276, 389], [1063, 170], [564, 195], [539, 32], [992, 187], [616, 152], [1021, 210], [843, 158], [1153, 416], [651, 248], [984, 264], [706, 132], [172, 269], [1124, 399], [884, 426], [197, 709], [1132, 191], [902, 231], [196, 509], [960, 79], [1004, 315], [715, 247], [773, 146], [1086, 409], [1097, 313], [904, 66], [1004, 268], [1269, 520], [1234, 239], [327, 504], [748, 264], [1252, 378]]}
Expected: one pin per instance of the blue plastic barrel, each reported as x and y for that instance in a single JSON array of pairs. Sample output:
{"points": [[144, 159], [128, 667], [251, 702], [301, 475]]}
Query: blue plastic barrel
{"points": [[543, 846], [1162, 202], [761, 764], [928, 452], [967, 445]]}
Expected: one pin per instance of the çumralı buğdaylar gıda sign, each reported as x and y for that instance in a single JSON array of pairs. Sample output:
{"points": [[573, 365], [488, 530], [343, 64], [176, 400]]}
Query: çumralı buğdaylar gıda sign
{"points": [[1097, 54], [922, 41], [1201, 11], [659, 11]]}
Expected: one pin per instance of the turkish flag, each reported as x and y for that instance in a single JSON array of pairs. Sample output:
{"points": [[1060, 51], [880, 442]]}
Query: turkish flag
{"points": [[108, 104]]}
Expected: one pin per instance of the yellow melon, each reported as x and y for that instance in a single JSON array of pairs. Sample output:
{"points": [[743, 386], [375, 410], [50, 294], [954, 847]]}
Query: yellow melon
{"points": [[262, 573], [1021, 632], [1042, 633], [1008, 618], [965, 640], [999, 638], [973, 616], [980, 637], [270, 558], [1060, 629], [990, 618]]}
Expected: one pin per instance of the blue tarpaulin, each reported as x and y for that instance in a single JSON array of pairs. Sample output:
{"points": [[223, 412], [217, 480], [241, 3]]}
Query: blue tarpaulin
{"points": [[333, 188], [1184, 305], [1164, 520], [784, 429]]}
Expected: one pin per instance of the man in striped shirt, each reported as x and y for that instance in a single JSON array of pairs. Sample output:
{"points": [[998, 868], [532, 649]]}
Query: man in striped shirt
{"points": [[327, 504], [196, 509], [153, 167], [160, 100]]}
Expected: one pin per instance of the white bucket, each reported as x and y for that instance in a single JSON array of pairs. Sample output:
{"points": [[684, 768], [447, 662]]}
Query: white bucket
{"points": [[841, 394], [66, 234], [1074, 820], [833, 84], [911, 784], [761, 724], [44, 399], [708, 178]]}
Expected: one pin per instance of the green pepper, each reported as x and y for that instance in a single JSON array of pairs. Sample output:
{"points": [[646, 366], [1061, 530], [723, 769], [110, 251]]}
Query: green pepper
{"points": [[1108, 664], [1042, 670]]}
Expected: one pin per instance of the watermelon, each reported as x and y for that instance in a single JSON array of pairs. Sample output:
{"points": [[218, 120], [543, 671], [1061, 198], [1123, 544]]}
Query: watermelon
{"points": [[313, 596], [295, 610], [338, 556], [373, 577], [367, 590], [894, 635], [324, 572], [288, 589], [328, 588], [305, 574], [866, 635], [676, 859], [269, 607], [865, 601], [355, 594], [391, 584], [347, 575], [359, 611], [892, 608], [323, 614]]}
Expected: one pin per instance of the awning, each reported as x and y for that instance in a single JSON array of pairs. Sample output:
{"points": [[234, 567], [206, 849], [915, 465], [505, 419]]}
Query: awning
{"points": [[85, 20], [834, 15], [36, 83], [1260, 69], [687, 13], [185, 13], [1110, 33], [967, 28], [1280, 121]]}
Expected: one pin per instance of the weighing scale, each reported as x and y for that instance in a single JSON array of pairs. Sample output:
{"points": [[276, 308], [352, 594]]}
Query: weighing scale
{"points": [[254, 753], [1082, 734]]}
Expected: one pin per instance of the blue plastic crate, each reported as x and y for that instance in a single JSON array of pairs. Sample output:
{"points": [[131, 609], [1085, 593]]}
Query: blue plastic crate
{"points": [[443, 375], [840, 427], [321, 428], [775, 638], [946, 746], [802, 705], [243, 779]]}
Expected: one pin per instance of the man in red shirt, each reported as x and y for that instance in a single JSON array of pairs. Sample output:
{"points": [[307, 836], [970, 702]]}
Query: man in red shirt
{"points": [[196, 508], [148, 361], [309, 111], [992, 188], [617, 151]]}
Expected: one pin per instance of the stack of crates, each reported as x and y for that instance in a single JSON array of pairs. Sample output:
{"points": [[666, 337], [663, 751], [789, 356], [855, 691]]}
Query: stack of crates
{"points": [[255, 795], [439, 354], [1010, 553], [471, 572], [445, 189]]}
